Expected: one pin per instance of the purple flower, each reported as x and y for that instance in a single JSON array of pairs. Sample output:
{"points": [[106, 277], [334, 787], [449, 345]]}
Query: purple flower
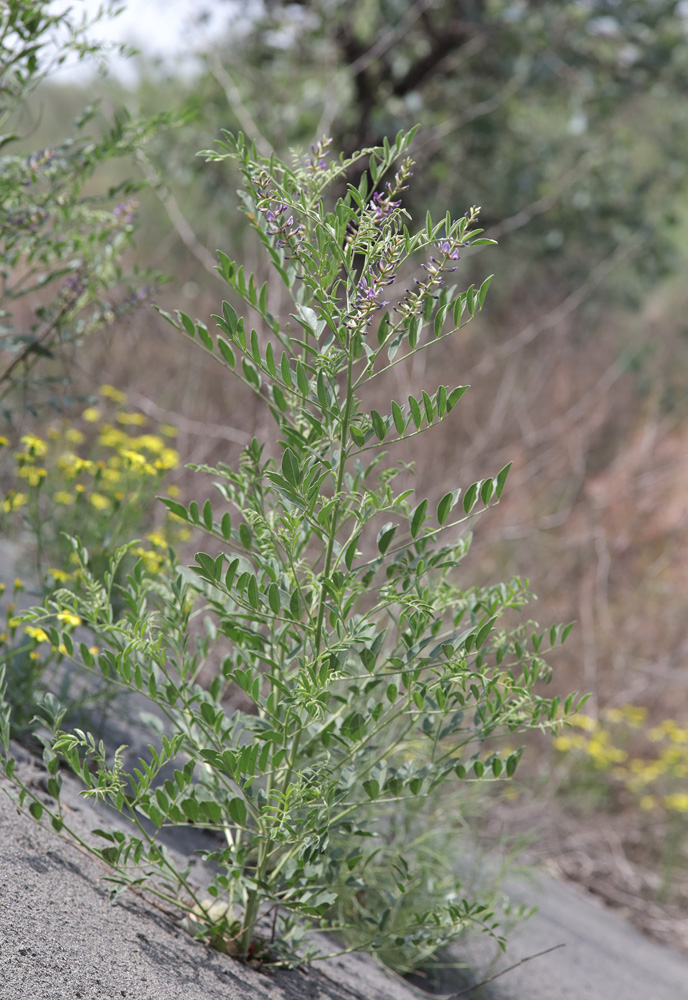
{"points": [[319, 154], [125, 211], [450, 249]]}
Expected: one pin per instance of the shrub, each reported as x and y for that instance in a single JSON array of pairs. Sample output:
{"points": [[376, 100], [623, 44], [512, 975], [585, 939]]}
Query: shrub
{"points": [[377, 682]]}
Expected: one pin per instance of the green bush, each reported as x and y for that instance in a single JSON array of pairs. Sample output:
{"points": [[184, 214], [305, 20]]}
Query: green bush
{"points": [[374, 678]]}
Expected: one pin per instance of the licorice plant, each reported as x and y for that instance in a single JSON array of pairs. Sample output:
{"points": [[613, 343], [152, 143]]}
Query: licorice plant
{"points": [[376, 679]]}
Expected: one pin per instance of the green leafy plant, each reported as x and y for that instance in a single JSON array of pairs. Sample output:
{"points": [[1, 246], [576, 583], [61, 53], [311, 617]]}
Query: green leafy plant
{"points": [[373, 679], [61, 245]]}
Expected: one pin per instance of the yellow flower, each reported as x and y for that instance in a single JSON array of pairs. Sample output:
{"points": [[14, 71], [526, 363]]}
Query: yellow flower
{"points": [[169, 431], [69, 617], [613, 715], [91, 414], [35, 445], [115, 395], [31, 474], [134, 458], [38, 634], [3, 637], [13, 500], [3, 440], [155, 538], [99, 501], [563, 743], [635, 715], [94, 649], [173, 490], [151, 442], [111, 475], [18, 584], [63, 497], [74, 436], [79, 488], [169, 459], [112, 437], [678, 802], [583, 722], [58, 574], [72, 464], [33, 655], [131, 418], [151, 560]]}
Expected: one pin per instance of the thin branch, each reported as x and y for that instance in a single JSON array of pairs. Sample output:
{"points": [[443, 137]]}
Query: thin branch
{"points": [[177, 217], [566, 307], [197, 427], [510, 968], [236, 104]]}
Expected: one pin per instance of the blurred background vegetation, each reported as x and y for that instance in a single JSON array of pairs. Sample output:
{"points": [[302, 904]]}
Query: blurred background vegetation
{"points": [[568, 124]]}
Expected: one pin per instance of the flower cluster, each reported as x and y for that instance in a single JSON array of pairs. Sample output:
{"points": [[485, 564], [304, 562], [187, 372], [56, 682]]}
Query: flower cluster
{"points": [[320, 151], [413, 302], [287, 230], [657, 781], [384, 204], [125, 212], [97, 478]]}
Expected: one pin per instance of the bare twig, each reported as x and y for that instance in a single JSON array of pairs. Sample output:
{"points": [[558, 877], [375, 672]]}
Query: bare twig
{"points": [[566, 307], [177, 217], [196, 427], [510, 968], [234, 99]]}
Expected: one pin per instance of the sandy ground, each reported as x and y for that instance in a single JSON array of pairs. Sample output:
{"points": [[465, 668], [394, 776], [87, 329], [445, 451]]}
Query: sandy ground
{"points": [[61, 939]]}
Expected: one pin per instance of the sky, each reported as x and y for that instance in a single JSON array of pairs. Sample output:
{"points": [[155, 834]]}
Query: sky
{"points": [[165, 29]]}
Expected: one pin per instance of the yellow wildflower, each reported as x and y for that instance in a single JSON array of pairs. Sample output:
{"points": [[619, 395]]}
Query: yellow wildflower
{"points": [[678, 802], [99, 501], [3, 440], [69, 617], [35, 445], [131, 418], [91, 414], [169, 459], [13, 500], [583, 722], [134, 458], [634, 715], [173, 490], [58, 574], [151, 442], [94, 649], [31, 474], [3, 637], [613, 715], [169, 431], [151, 560], [33, 655], [155, 538], [563, 743], [38, 634], [74, 436], [112, 437], [115, 395]]}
